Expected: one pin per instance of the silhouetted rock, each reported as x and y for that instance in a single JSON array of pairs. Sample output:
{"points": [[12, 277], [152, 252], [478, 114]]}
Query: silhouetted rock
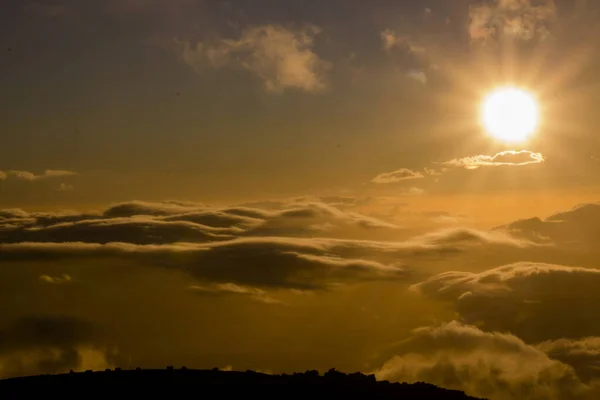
{"points": [[333, 384]]}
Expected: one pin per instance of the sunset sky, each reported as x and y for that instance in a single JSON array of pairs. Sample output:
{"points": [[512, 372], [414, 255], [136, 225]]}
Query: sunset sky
{"points": [[302, 184]]}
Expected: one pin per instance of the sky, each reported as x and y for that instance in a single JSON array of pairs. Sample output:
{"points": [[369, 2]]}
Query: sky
{"points": [[301, 184]]}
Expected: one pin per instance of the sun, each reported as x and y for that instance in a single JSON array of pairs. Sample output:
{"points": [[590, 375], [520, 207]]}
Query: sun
{"points": [[510, 114]]}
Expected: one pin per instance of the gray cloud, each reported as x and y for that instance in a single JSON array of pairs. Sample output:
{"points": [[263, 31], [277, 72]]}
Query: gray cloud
{"points": [[285, 262], [508, 157], [521, 19], [582, 354], [281, 57], [50, 344], [484, 364], [400, 175], [167, 222], [535, 301], [575, 229]]}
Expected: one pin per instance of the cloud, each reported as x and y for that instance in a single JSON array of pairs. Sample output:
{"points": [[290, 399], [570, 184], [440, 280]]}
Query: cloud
{"points": [[508, 157], [419, 76], [277, 247], [260, 262], [582, 354], [273, 262], [56, 280], [521, 19], [400, 175], [231, 289], [50, 344], [168, 222], [575, 229], [30, 176], [281, 57], [534, 301], [392, 40], [415, 191], [65, 187], [484, 364]]}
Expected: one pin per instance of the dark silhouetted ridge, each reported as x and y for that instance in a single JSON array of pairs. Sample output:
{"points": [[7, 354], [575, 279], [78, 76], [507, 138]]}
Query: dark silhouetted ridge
{"points": [[332, 384]]}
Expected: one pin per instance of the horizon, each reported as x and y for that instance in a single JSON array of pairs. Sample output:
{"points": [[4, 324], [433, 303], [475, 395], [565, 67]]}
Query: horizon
{"points": [[404, 188]]}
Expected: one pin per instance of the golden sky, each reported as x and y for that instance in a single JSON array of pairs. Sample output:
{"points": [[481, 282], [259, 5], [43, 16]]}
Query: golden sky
{"points": [[302, 185]]}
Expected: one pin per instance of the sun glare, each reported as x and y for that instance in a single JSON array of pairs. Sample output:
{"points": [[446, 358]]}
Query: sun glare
{"points": [[510, 114]]}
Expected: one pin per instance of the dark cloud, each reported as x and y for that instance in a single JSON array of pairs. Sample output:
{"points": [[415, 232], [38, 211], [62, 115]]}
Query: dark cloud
{"points": [[582, 354], [169, 222], [532, 300], [50, 344], [576, 229], [484, 364], [302, 263]]}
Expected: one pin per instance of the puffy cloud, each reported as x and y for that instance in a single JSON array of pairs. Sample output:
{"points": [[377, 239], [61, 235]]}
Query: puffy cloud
{"points": [[484, 364], [231, 289], [400, 175], [532, 300], [575, 229], [582, 354], [282, 58], [51, 344], [521, 19], [508, 157]]}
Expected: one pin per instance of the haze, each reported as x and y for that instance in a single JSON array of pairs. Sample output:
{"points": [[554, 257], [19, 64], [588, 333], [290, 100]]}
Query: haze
{"points": [[292, 185]]}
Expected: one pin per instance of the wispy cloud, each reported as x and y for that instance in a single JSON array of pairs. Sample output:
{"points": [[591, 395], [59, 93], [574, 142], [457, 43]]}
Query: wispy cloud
{"points": [[282, 58], [30, 176], [400, 175], [231, 289], [521, 19], [419, 76], [56, 280], [391, 40], [509, 157]]}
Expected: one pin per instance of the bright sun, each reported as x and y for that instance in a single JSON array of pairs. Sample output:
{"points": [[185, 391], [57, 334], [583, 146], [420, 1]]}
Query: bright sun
{"points": [[510, 114]]}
